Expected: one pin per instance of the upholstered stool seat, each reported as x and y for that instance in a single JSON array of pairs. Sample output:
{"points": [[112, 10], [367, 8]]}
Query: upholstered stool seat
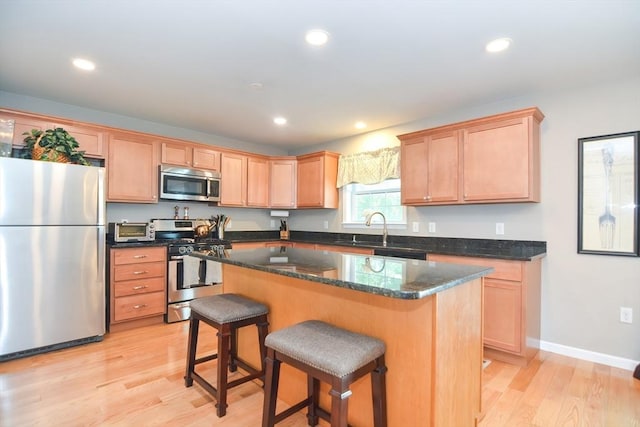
{"points": [[226, 313], [329, 354]]}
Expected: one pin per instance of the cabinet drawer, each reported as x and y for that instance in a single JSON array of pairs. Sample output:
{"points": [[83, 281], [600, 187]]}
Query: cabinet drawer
{"points": [[503, 269], [135, 306], [142, 286], [139, 255], [139, 271]]}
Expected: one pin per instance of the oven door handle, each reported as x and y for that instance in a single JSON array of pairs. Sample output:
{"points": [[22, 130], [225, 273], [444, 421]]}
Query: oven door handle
{"points": [[172, 281]]}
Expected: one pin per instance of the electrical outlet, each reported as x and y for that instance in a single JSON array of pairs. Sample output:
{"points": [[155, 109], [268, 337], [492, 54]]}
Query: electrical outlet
{"points": [[626, 315], [326, 225], [273, 223], [416, 226], [432, 227], [499, 227]]}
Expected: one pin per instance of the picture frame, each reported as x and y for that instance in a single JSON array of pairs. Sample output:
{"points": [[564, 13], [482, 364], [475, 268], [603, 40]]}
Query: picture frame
{"points": [[608, 213]]}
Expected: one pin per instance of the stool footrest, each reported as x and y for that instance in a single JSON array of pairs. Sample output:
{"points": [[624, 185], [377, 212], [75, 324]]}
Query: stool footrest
{"points": [[205, 359], [292, 410]]}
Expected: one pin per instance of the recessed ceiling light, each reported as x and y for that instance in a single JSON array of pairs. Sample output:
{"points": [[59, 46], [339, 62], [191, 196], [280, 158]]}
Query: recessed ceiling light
{"points": [[84, 64], [316, 37], [498, 45], [280, 121], [255, 86], [360, 125]]}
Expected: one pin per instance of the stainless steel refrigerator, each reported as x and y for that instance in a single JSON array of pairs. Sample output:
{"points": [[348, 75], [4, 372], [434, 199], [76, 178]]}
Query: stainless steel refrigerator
{"points": [[52, 256]]}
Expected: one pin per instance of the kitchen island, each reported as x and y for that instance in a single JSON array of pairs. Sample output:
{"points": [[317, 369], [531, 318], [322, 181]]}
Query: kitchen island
{"points": [[428, 314]]}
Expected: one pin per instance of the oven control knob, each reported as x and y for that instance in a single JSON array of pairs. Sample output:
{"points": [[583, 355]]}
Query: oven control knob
{"points": [[189, 249], [182, 250]]}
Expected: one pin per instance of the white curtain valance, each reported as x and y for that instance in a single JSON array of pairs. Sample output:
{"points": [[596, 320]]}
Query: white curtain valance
{"points": [[370, 167]]}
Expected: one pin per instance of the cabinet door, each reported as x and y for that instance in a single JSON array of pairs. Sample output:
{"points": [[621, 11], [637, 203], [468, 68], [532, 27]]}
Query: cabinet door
{"points": [[257, 182], [204, 158], [317, 177], [413, 155], [176, 153], [132, 170], [503, 315], [90, 140], [22, 125], [282, 193], [442, 167], [498, 161], [233, 184]]}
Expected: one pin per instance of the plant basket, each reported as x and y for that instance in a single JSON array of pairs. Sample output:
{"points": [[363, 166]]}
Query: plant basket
{"points": [[40, 153]]}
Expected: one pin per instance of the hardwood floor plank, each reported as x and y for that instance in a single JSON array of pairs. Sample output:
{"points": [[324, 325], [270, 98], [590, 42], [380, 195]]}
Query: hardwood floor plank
{"points": [[135, 378]]}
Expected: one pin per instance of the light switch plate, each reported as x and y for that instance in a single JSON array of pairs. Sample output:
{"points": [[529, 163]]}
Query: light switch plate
{"points": [[415, 226], [326, 225], [432, 227], [273, 223], [499, 227]]}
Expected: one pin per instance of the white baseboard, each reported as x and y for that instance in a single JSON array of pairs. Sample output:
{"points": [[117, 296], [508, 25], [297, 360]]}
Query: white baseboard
{"points": [[591, 356]]}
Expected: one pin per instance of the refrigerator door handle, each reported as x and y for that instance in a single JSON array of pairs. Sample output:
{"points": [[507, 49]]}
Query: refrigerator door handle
{"points": [[101, 252]]}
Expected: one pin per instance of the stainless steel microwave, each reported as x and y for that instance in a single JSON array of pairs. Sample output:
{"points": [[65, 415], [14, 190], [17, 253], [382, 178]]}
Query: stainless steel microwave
{"points": [[180, 183], [132, 232]]}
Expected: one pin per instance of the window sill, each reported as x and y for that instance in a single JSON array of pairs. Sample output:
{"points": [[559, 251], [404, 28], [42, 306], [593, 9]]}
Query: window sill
{"points": [[396, 226]]}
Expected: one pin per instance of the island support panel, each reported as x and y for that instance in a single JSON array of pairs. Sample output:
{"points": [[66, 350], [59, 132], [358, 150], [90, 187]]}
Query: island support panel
{"points": [[434, 344]]}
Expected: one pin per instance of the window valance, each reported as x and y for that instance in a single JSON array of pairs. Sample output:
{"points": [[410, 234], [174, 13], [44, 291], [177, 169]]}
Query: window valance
{"points": [[370, 167]]}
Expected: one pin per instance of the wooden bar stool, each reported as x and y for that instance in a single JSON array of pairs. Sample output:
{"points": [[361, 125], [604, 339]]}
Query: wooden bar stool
{"points": [[226, 313], [329, 354]]}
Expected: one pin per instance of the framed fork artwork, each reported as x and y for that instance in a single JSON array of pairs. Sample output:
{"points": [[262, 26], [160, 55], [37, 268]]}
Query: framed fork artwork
{"points": [[608, 212]]}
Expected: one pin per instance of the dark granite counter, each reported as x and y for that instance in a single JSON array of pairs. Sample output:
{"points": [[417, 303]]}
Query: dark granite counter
{"points": [[391, 277], [517, 250]]}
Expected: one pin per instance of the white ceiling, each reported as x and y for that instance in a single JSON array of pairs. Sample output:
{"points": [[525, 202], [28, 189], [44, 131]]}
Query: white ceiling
{"points": [[190, 63]]}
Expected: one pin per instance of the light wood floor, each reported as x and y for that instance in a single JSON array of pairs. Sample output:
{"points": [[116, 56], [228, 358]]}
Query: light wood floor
{"points": [[134, 378]]}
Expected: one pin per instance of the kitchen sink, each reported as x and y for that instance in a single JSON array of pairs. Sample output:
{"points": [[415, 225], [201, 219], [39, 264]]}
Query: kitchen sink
{"points": [[401, 253]]}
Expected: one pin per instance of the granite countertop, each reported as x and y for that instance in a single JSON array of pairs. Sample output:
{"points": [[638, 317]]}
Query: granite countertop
{"points": [[516, 250], [390, 277]]}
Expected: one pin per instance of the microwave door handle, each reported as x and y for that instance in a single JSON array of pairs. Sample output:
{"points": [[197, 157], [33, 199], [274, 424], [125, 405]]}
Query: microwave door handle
{"points": [[209, 190]]}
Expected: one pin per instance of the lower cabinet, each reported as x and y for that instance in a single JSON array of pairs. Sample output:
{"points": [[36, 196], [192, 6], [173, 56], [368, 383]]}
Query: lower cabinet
{"points": [[511, 313], [138, 282]]}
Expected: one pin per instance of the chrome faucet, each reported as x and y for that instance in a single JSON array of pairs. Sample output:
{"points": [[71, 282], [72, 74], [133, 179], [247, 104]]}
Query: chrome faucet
{"points": [[384, 225]]}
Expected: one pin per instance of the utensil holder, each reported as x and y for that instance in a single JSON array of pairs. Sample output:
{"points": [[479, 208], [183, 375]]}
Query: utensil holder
{"points": [[284, 235]]}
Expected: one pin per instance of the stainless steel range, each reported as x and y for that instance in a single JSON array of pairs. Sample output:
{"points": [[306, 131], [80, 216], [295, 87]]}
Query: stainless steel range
{"points": [[188, 277]]}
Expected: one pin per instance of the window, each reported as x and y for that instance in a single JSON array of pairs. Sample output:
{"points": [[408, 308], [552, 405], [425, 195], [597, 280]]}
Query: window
{"points": [[360, 199]]}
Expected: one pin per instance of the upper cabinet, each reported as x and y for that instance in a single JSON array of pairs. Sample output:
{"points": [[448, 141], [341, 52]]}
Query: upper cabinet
{"points": [[494, 159], [244, 180], [90, 139], [190, 155], [282, 191], [317, 177], [502, 159], [439, 183], [132, 169]]}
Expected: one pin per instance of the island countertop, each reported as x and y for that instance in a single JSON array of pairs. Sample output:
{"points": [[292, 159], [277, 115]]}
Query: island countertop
{"points": [[386, 276]]}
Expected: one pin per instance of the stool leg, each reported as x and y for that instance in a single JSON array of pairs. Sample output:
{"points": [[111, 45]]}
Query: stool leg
{"points": [[224, 335], [263, 330], [313, 392], [233, 355], [339, 403], [379, 392], [191, 350], [272, 377]]}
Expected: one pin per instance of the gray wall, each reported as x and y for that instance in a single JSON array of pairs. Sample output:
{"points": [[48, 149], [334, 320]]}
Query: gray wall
{"points": [[581, 294]]}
